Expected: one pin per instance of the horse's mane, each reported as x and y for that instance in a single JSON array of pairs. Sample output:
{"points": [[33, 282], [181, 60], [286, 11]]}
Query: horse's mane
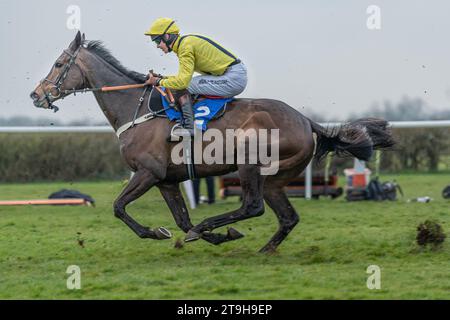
{"points": [[97, 47]]}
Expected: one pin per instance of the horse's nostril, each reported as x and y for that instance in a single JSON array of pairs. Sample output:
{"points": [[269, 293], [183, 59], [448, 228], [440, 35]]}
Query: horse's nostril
{"points": [[34, 95]]}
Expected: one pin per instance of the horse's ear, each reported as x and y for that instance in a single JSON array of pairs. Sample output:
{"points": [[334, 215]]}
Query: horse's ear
{"points": [[78, 38], [76, 42]]}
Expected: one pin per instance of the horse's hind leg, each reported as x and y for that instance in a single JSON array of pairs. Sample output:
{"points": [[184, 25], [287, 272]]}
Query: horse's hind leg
{"points": [[175, 201], [287, 216], [252, 205], [139, 184]]}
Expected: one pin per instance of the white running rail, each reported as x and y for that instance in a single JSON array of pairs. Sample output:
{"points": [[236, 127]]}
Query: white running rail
{"points": [[308, 172]]}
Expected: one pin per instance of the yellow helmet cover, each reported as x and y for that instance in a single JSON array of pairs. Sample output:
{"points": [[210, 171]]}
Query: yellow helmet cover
{"points": [[163, 26]]}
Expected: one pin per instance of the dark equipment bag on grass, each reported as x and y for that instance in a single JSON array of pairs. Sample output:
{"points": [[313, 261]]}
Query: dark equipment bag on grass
{"points": [[446, 192], [71, 194], [382, 191]]}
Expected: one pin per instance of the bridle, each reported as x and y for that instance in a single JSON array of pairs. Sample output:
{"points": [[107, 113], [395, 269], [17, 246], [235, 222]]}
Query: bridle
{"points": [[48, 96]]}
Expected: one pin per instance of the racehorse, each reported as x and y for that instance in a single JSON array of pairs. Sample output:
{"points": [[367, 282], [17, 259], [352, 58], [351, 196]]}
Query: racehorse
{"points": [[146, 150]]}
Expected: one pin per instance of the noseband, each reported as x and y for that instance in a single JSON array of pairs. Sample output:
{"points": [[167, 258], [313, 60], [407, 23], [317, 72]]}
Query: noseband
{"points": [[48, 96]]}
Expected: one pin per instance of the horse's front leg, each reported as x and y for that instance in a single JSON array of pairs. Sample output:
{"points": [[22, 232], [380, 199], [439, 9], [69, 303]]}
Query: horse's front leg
{"points": [[139, 184], [175, 201]]}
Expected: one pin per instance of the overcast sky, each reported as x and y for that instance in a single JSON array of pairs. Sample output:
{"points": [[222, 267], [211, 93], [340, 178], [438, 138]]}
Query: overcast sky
{"points": [[318, 55]]}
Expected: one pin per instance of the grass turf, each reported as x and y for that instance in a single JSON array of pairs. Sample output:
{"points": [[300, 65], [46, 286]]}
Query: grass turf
{"points": [[325, 257]]}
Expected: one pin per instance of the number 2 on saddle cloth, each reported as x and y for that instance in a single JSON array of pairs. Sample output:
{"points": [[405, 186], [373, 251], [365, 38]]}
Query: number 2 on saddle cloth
{"points": [[204, 110]]}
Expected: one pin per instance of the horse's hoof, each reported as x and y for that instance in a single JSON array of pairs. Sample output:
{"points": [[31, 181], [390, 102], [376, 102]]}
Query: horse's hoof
{"points": [[233, 234], [192, 236], [268, 249], [162, 233]]}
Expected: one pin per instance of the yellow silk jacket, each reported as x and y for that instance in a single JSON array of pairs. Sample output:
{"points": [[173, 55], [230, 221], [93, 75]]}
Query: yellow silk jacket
{"points": [[197, 53]]}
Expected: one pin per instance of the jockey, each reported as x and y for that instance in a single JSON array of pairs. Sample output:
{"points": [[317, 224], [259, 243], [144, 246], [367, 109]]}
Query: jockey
{"points": [[222, 73]]}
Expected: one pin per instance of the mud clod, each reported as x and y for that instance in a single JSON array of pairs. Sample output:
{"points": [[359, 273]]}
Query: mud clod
{"points": [[430, 232]]}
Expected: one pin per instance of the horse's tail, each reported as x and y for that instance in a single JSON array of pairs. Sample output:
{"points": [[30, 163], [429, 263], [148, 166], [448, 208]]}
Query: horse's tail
{"points": [[357, 138]]}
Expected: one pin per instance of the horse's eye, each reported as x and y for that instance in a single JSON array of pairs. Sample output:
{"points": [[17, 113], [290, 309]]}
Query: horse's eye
{"points": [[58, 65]]}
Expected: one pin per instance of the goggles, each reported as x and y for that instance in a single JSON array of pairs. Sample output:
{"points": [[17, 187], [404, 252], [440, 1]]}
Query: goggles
{"points": [[157, 39]]}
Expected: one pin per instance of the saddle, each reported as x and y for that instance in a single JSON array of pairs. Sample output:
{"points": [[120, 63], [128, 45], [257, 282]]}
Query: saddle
{"points": [[173, 103], [205, 107]]}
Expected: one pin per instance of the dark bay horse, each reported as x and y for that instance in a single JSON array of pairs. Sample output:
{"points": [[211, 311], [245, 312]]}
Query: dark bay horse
{"points": [[87, 64]]}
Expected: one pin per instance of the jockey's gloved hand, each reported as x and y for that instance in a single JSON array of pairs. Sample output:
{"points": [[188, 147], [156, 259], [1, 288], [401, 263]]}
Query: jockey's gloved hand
{"points": [[157, 75], [153, 78]]}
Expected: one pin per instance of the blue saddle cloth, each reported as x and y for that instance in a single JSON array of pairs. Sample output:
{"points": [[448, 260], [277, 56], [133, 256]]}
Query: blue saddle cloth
{"points": [[204, 110]]}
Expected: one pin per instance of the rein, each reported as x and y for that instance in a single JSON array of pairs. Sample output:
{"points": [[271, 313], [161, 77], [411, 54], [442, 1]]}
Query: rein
{"points": [[168, 96], [105, 89]]}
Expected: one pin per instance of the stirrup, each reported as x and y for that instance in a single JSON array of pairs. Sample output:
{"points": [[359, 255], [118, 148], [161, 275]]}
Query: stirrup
{"points": [[178, 131]]}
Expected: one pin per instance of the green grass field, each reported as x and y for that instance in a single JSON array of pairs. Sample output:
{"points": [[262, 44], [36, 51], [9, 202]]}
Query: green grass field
{"points": [[325, 257]]}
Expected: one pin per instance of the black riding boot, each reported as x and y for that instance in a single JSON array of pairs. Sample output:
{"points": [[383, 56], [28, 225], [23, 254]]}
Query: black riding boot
{"points": [[187, 113]]}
